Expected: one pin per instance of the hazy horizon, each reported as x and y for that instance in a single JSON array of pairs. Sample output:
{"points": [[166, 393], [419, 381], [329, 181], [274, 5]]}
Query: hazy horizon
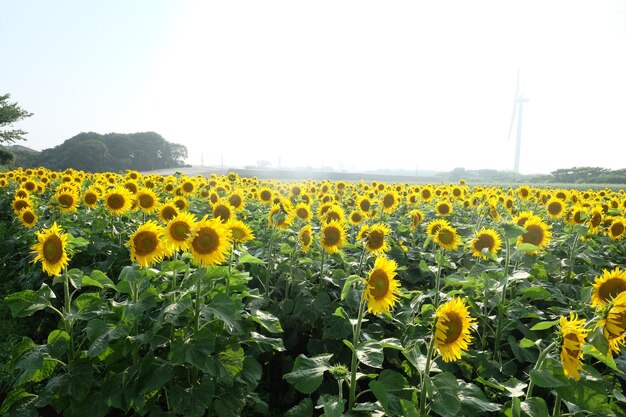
{"points": [[355, 85]]}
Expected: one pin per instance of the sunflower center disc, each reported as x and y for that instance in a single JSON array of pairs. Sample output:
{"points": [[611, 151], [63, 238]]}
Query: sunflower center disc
{"points": [[388, 201], [66, 200], [115, 201], [53, 249], [376, 239], [331, 236], [446, 237], [206, 241], [222, 212], [617, 229], [29, 217], [180, 231], [145, 201], [611, 288], [454, 327], [533, 236], [484, 242], [379, 284], [145, 243]]}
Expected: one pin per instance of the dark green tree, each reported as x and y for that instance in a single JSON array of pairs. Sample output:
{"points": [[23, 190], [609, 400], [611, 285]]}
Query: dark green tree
{"points": [[11, 113], [6, 157]]}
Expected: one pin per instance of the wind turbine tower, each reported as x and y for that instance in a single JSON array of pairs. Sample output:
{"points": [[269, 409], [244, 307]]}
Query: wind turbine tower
{"points": [[518, 106]]}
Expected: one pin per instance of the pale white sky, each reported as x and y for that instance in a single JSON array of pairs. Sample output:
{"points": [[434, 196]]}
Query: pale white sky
{"points": [[355, 84]]}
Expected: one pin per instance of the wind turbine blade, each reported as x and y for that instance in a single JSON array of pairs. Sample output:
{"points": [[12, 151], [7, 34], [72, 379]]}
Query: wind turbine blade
{"points": [[512, 120]]}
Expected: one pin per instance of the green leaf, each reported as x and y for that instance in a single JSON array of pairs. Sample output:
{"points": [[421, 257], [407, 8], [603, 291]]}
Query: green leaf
{"points": [[607, 360], [544, 379], [224, 308], [268, 321], [27, 302], [543, 325], [307, 373], [33, 365], [232, 360], [536, 293], [445, 400], [101, 278], [77, 242], [348, 284], [246, 258], [597, 339], [192, 401], [332, 405], [275, 343], [87, 281], [528, 247], [14, 397], [526, 343], [535, 407], [252, 372], [58, 342], [101, 334], [392, 390], [370, 353], [304, 409], [472, 397], [512, 231], [195, 350]]}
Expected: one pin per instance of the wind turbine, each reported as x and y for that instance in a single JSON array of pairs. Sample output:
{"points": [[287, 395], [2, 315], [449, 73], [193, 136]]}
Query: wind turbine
{"points": [[519, 101]]}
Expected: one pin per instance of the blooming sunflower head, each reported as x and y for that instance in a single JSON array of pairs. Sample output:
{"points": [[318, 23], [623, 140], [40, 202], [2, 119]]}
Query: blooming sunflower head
{"points": [[51, 250], [382, 289], [147, 200], [303, 212], [333, 236], [617, 229], [375, 239], [443, 208], [433, 227], [537, 233], [28, 217], [91, 197], [389, 200], [167, 212], [223, 211], [486, 242], [452, 330], [118, 200], [305, 236], [68, 200], [608, 286], [416, 217], [146, 244], [210, 242], [356, 217], [614, 324], [555, 207], [240, 231], [179, 230], [280, 215], [447, 237], [573, 334]]}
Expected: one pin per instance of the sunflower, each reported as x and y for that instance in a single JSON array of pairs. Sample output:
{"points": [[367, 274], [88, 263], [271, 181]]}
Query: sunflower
{"points": [[487, 241], [573, 333], [237, 200], [167, 212], [389, 201], [265, 195], [147, 200], [537, 233], [375, 242], [555, 207], [578, 215], [382, 288], [188, 186], [51, 249], [617, 229], [356, 217], [19, 204], [91, 197], [417, 217], [364, 204], [334, 213], [146, 244], [181, 203], [223, 210], [447, 237], [443, 208], [608, 286], [426, 194], [524, 192], [118, 200], [595, 218], [280, 216], [522, 217], [179, 230], [305, 236], [28, 217], [240, 231], [210, 242], [452, 330], [333, 236], [614, 323], [433, 227]]}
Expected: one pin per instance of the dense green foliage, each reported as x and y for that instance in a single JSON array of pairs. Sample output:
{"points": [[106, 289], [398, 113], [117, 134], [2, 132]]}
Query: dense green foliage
{"points": [[10, 113]]}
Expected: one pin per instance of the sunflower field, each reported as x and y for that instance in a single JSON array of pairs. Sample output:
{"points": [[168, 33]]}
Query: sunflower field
{"points": [[135, 295]]}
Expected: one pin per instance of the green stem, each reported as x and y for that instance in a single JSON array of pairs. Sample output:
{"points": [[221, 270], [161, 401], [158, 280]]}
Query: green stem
{"points": [[196, 323], [269, 263], [355, 361], [498, 334], [556, 411], [571, 257], [360, 270], [540, 359], [322, 265], [437, 281], [67, 321], [426, 376]]}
